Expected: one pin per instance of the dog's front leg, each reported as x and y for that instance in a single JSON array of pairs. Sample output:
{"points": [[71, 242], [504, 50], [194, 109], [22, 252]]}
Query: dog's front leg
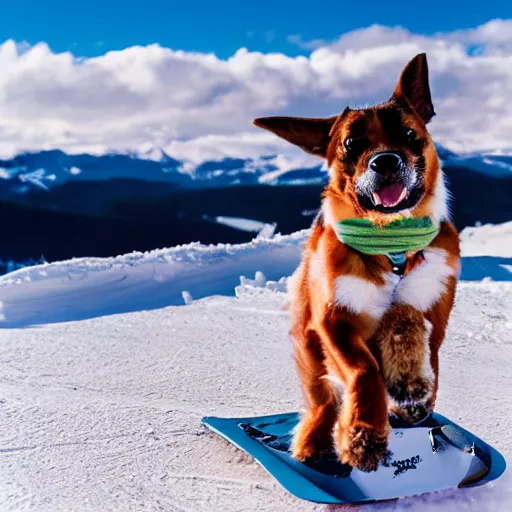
{"points": [[403, 340], [413, 329], [313, 435], [361, 437]]}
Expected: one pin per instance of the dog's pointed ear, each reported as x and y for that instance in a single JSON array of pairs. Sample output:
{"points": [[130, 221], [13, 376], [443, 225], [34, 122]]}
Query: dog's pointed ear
{"points": [[310, 134], [414, 86]]}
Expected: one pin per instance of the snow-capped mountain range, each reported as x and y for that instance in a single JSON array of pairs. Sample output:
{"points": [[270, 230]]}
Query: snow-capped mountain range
{"points": [[50, 169], [69, 205]]}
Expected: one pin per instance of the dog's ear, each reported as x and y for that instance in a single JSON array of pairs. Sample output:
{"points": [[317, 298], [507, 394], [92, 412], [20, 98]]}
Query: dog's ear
{"points": [[310, 134], [413, 85]]}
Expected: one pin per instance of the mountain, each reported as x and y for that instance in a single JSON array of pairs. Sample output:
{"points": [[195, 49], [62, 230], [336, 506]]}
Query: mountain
{"points": [[61, 206], [108, 218], [46, 170], [56, 235]]}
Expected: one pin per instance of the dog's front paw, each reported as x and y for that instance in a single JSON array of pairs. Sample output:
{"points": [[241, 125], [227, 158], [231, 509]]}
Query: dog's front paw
{"points": [[412, 412], [313, 447], [363, 447]]}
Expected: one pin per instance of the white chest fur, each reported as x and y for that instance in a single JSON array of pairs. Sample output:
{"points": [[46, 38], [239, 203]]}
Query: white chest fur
{"points": [[421, 288], [426, 283], [361, 296]]}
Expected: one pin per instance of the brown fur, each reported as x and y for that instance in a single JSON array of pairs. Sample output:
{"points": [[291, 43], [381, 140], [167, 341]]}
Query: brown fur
{"points": [[401, 340], [379, 360]]}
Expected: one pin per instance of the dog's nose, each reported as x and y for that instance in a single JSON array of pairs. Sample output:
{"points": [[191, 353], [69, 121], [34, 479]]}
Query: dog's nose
{"points": [[383, 163]]}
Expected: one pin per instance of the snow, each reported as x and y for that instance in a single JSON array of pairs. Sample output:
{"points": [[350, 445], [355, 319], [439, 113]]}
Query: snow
{"points": [[106, 374], [497, 163], [263, 229], [487, 240], [37, 178], [82, 287], [250, 225]]}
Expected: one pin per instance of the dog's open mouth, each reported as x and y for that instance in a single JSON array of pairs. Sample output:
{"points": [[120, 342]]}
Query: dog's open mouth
{"points": [[390, 195]]}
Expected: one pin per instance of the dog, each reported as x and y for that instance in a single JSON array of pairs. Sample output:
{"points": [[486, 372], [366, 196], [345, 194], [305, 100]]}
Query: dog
{"points": [[366, 329]]}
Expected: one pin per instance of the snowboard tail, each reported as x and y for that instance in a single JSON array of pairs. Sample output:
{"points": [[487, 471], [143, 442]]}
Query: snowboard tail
{"points": [[433, 455]]}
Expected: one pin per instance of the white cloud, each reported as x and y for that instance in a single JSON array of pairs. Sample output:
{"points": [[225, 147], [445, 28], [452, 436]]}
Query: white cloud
{"points": [[196, 106], [311, 44]]}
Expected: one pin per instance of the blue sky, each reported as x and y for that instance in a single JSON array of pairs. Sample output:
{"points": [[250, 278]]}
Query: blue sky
{"points": [[94, 26]]}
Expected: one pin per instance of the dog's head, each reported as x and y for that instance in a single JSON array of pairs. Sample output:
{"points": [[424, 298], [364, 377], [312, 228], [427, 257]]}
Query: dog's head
{"points": [[381, 159]]}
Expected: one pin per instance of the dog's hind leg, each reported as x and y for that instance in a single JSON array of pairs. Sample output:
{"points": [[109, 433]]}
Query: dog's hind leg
{"points": [[314, 434]]}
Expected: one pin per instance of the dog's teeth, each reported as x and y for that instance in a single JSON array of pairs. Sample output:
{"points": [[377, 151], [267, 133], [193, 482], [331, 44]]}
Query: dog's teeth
{"points": [[376, 199], [403, 195]]}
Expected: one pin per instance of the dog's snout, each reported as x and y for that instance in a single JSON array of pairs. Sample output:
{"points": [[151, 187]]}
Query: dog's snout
{"points": [[382, 163]]}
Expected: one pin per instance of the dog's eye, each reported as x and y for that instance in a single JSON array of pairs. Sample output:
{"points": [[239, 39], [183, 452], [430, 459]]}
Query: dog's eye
{"points": [[349, 143], [355, 147], [410, 135]]}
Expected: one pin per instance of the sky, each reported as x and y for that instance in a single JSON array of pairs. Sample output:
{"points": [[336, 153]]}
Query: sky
{"points": [[189, 77], [90, 28]]}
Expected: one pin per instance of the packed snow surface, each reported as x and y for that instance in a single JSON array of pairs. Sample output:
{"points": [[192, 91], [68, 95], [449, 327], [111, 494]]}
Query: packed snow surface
{"points": [[108, 366]]}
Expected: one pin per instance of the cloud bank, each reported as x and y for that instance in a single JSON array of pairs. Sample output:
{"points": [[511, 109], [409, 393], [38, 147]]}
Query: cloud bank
{"points": [[196, 106]]}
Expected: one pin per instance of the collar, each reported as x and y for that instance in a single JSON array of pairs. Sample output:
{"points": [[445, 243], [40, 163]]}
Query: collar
{"points": [[398, 237], [398, 262], [402, 264], [401, 261]]}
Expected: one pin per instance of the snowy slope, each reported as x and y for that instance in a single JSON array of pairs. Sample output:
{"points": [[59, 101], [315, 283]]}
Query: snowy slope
{"points": [[88, 287], [105, 377]]}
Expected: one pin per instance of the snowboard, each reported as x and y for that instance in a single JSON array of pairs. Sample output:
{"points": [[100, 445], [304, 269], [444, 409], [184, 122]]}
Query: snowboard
{"points": [[433, 455]]}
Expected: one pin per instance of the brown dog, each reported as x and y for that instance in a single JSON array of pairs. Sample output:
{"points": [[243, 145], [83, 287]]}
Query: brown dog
{"points": [[356, 322]]}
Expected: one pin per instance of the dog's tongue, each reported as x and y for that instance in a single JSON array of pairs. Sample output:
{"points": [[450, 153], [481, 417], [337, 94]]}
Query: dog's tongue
{"points": [[391, 195]]}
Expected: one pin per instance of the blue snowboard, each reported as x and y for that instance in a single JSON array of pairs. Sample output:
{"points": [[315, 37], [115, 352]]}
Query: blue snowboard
{"points": [[433, 455]]}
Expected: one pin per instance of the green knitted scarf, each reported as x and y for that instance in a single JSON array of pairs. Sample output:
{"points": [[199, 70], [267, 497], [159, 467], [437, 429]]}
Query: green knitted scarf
{"points": [[412, 234]]}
